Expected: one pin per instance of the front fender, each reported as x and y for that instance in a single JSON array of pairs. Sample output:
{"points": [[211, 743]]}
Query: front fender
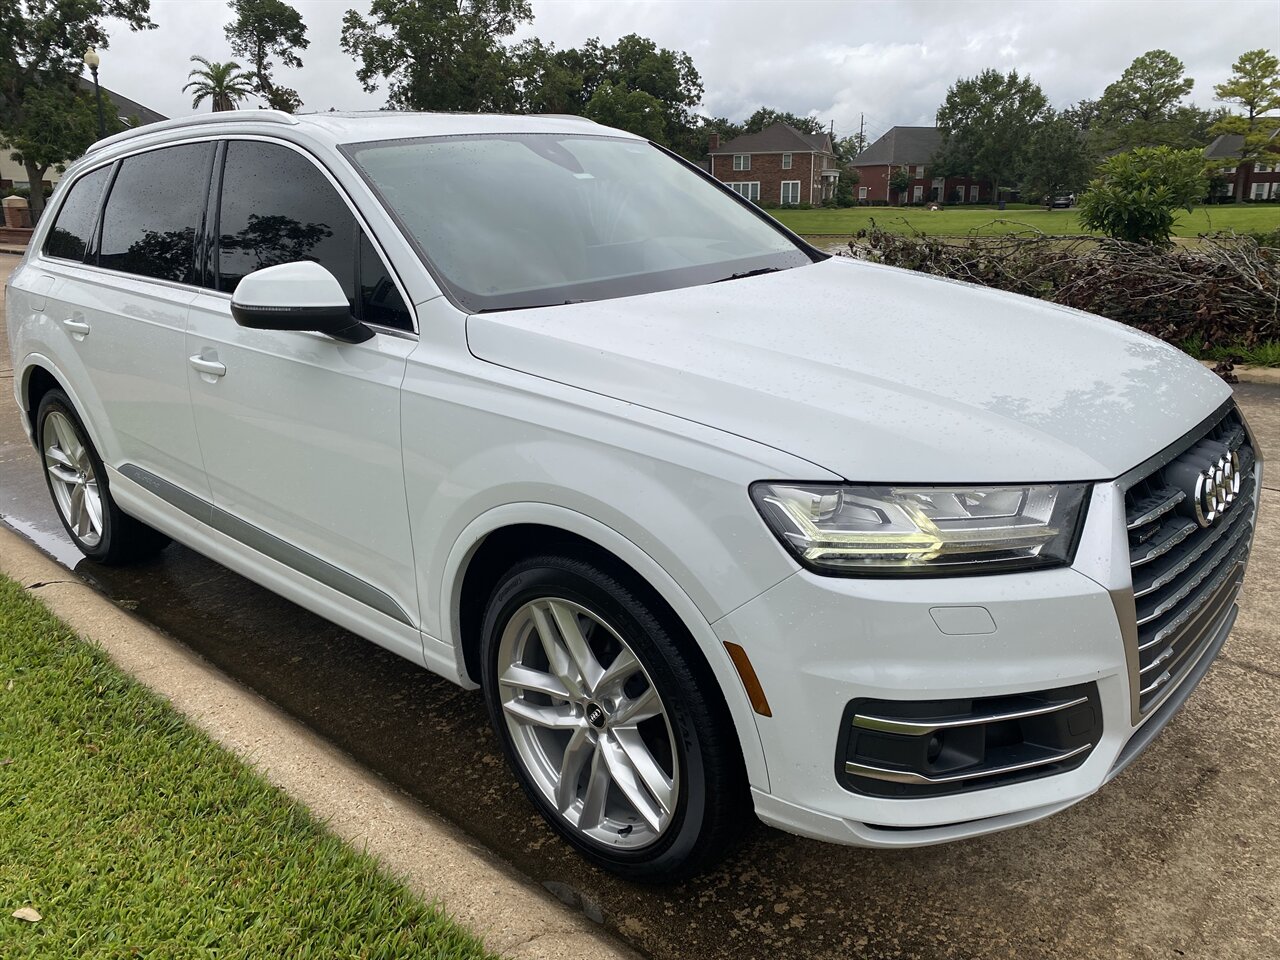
{"points": [[605, 537]]}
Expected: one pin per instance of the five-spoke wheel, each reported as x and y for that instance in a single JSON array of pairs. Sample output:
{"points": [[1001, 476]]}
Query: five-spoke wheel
{"points": [[587, 722], [78, 485], [610, 716], [72, 478]]}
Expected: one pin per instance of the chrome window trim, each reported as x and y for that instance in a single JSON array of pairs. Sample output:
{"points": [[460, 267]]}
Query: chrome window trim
{"points": [[51, 215]]}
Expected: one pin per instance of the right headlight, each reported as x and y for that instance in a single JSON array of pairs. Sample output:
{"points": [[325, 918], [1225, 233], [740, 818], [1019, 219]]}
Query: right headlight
{"points": [[892, 530]]}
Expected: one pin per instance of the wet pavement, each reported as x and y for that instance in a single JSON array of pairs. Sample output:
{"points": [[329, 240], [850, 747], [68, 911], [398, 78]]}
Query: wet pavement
{"points": [[1179, 856]]}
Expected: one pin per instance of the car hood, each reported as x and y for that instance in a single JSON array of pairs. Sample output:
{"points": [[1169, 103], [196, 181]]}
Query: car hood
{"points": [[876, 374]]}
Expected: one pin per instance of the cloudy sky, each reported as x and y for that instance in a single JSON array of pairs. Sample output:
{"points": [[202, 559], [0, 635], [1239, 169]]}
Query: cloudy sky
{"points": [[890, 60]]}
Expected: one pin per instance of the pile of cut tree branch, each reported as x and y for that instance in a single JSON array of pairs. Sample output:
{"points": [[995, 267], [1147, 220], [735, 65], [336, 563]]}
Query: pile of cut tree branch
{"points": [[1220, 290]]}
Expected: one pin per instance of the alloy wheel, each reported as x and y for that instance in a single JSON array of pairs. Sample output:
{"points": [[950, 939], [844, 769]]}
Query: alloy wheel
{"points": [[587, 723], [72, 478]]}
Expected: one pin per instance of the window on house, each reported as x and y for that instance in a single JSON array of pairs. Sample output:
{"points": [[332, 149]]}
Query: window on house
{"points": [[742, 161], [959, 194], [973, 193], [786, 161], [919, 172], [917, 193], [1261, 167], [790, 191], [1261, 191], [862, 193], [750, 189]]}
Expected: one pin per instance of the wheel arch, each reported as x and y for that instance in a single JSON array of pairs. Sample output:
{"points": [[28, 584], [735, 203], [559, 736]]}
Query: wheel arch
{"points": [[484, 551], [37, 376]]}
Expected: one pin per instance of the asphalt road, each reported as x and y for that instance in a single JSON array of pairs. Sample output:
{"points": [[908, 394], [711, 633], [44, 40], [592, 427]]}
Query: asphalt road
{"points": [[1178, 857]]}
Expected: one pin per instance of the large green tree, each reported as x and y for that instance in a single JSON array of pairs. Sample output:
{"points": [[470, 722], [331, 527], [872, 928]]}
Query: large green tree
{"points": [[42, 45], [264, 30], [1058, 160], [986, 123], [1144, 107], [437, 54], [1254, 88], [767, 117], [632, 110]]}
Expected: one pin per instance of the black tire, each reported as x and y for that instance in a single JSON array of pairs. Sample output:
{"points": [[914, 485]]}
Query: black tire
{"points": [[123, 539], [712, 806]]}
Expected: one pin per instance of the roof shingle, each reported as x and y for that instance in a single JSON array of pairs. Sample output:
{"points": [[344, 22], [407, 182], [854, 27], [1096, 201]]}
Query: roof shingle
{"points": [[777, 138], [901, 145]]}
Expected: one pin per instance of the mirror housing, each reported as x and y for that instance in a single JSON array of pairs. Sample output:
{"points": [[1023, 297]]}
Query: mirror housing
{"points": [[297, 296]]}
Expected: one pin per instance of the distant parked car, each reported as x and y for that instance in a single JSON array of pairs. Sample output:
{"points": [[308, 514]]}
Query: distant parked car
{"points": [[717, 522], [1062, 201]]}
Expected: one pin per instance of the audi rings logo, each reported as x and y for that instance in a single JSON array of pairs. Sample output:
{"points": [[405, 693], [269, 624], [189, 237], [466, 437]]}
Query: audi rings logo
{"points": [[1216, 488]]}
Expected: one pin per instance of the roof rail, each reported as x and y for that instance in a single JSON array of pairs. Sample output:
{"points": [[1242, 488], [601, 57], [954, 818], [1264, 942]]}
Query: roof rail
{"points": [[566, 116], [203, 119]]}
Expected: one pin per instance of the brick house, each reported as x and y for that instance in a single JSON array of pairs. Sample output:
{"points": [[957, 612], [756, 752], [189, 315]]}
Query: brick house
{"points": [[1254, 180], [777, 166], [911, 148]]}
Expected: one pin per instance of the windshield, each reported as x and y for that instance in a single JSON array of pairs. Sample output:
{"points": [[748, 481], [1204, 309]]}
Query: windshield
{"points": [[512, 221]]}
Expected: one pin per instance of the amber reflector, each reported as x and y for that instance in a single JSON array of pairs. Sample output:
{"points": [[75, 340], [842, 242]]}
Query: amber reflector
{"points": [[755, 692]]}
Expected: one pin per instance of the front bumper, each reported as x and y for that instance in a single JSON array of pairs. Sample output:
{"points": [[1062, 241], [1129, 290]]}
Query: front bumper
{"points": [[818, 643]]}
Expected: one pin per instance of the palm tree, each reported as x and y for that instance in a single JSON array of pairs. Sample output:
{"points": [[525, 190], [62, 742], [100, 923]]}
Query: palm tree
{"points": [[225, 83]]}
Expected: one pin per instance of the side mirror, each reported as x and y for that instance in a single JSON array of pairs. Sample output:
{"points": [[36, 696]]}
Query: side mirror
{"points": [[297, 296]]}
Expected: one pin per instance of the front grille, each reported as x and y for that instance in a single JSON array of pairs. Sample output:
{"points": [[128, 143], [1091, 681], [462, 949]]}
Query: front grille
{"points": [[1186, 575]]}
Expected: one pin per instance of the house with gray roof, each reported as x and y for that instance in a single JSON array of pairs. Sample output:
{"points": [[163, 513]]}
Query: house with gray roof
{"points": [[780, 165], [911, 149], [1252, 179]]}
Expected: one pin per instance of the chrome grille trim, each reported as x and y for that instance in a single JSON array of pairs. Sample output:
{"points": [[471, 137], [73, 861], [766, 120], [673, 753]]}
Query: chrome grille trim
{"points": [[908, 776], [1185, 576], [918, 727]]}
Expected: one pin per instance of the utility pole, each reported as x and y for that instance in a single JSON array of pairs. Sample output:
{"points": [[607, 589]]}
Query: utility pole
{"points": [[862, 132]]}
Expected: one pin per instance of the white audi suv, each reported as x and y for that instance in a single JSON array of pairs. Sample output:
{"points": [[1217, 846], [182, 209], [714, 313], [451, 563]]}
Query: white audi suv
{"points": [[717, 522]]}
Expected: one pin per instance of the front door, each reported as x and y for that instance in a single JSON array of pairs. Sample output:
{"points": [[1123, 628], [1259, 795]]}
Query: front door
{"points": [[301, 433]]}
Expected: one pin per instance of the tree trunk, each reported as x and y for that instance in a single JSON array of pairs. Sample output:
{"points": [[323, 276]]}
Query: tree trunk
{"points": [[35, 177]]}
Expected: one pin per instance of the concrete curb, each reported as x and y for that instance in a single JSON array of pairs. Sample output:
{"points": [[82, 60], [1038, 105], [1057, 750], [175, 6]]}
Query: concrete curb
{"points": [[1247, 374], [514, 917]]}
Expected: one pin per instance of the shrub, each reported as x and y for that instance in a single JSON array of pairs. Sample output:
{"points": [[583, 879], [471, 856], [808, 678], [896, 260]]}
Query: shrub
{"points": [[1134, 198]]}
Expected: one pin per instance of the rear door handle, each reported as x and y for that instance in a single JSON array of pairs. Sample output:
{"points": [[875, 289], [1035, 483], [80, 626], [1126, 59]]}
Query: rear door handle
{"points": [[77, 327], [211, 367]]}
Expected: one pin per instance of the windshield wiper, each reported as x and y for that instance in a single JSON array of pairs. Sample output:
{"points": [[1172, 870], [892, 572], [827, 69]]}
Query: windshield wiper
{"points": [[748, 273]]}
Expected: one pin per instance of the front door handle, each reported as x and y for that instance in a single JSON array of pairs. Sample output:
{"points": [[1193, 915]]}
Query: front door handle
{"points": [[211, 367], [78, 328]]}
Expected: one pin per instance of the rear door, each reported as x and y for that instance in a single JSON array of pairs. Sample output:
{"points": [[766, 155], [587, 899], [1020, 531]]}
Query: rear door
{"points": [[301, 433], [123, 308]]}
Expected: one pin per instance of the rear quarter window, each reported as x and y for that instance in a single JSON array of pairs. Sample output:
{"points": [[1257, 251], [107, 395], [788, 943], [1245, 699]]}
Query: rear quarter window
{"points": [[72, 233]]}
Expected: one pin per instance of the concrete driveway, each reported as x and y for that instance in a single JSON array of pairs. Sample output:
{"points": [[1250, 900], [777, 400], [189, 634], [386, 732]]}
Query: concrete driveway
{"points": [[1178, 857]]}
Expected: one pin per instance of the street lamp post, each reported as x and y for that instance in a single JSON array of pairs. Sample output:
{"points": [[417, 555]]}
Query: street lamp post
{"points": [[92, 60]]}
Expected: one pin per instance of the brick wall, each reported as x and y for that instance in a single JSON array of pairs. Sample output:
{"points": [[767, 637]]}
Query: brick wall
{"points": [[876, 179], [766, 168]]}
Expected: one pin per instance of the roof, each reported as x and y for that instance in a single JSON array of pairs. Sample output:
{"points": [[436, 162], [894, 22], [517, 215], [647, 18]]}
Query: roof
{"points": [[336, 128], [126, 109], [777, 138], [1229, 146], [902, 145]]}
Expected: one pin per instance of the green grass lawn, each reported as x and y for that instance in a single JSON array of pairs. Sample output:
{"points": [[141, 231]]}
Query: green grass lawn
{"points": [[133, 835], [958, 221]]}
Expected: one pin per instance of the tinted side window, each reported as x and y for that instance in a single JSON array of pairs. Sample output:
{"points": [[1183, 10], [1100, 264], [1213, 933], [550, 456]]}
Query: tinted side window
{"points": [[380, 300], [277, 207], [72, 232], [154, 211]]}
